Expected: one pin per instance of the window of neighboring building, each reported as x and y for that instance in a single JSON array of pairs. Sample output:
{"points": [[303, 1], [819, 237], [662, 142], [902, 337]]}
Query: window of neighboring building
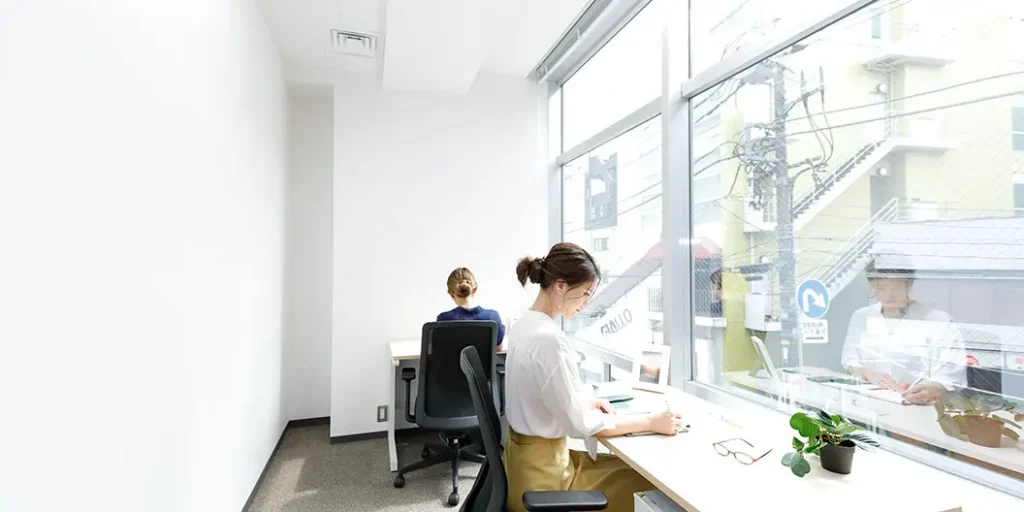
{"points": [[1017, 128]]}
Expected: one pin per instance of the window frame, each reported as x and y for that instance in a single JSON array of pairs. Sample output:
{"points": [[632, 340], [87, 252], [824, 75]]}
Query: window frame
{"points": [[1018, 106]]}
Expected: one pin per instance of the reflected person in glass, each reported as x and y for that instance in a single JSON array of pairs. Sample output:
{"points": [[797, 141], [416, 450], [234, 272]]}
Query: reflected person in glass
{"points": [[716, 293], [901, 344]]}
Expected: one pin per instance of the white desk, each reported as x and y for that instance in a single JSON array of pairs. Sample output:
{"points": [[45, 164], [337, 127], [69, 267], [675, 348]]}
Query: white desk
{"points": [[400, 350], [687, 469], [916, 423]]}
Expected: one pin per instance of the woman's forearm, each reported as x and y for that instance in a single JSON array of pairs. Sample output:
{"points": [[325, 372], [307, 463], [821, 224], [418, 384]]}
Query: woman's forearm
{"points": [[627, 424]]}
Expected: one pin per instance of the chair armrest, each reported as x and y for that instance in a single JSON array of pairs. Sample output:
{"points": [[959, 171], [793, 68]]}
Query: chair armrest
{"points": [[408, 375], [564, 501], [500, 370]]}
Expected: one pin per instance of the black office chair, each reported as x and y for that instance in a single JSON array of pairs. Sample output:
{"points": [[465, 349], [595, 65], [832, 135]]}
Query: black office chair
{"points": [[490, 490], [444, 403]]}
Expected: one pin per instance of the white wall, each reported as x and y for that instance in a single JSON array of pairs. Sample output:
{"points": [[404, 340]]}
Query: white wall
{"points": [[423, 184], [142, 181], [306, 370]]}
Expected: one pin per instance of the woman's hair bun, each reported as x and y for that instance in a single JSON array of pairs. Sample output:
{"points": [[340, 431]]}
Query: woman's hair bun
{"points": [[464, 289], [530, 270]]}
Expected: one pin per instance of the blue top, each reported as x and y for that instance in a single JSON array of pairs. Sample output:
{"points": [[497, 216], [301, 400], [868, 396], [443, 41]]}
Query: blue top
{"points": [[477, 313]]}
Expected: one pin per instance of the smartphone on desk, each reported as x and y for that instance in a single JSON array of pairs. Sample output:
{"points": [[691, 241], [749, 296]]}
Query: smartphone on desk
{"points": [[618, 398]]}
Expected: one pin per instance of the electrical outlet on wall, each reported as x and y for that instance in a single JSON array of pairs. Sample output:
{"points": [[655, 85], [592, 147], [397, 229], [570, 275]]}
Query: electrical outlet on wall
{"points": [[382, 413]]}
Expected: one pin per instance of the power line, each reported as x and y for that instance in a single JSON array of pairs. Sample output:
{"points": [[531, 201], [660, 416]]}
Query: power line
{"points": [[921, 111], [970, 243], [926, 255], [712, 164], [620, 214], [924, 93], [714, 150]]}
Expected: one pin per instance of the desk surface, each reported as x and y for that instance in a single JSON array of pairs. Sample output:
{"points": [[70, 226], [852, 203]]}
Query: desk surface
{"points": [[916, 422], [687, 468], [402, 350]]}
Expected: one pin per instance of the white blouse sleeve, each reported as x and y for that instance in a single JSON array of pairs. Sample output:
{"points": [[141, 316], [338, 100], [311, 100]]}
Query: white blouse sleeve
{"points": [[566, 397], [949, 365]]}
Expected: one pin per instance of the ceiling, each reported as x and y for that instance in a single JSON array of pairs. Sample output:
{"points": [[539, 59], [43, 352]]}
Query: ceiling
{"points": [[425, 45]]}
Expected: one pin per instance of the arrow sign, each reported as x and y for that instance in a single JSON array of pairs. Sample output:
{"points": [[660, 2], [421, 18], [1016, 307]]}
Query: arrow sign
{"points": [[813, 299]]}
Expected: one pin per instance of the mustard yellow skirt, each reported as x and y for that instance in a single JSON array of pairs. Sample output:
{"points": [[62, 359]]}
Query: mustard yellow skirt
{"points": [[540, 464]]}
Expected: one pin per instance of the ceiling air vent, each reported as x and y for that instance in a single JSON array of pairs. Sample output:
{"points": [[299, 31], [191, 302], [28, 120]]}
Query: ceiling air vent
{"points": [[353, 43]]}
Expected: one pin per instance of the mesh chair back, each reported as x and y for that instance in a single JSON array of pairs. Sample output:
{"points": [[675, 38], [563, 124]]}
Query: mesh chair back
{"points": [[444, 401]]}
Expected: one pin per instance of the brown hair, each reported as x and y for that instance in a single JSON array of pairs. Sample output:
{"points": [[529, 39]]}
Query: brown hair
{"points": [[461, 282], [568, 262], [873, 273], [716, 278]]}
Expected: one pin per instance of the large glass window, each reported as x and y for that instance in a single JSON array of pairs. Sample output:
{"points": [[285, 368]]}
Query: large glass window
{"points": [[857, 243], [612, 205], [719, 28], [622, 77]]}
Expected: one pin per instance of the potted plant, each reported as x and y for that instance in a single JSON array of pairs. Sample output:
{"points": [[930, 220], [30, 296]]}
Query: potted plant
{"points": [[829, 436], [974, 415]]}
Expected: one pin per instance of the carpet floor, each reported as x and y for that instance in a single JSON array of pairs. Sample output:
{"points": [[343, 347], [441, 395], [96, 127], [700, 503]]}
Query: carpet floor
{"points": [[309, 474]]}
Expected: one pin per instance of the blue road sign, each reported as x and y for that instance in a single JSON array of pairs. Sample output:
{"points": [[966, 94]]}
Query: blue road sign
{"points": [[812, 298]]}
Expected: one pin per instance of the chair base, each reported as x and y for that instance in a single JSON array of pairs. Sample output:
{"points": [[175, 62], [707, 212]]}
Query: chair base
{"points": [[457, 448]]}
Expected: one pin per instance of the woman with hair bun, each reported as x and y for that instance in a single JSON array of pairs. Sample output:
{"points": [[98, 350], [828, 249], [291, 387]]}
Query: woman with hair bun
{"points": [[462, 289], [546, 401]]}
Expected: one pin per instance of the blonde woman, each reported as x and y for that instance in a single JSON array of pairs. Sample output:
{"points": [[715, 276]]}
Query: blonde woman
{"points": [[462, 289]]}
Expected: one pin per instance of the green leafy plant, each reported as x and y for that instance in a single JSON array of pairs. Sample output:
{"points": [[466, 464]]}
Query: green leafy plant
{"points": [[955, 408], [819, 431]]}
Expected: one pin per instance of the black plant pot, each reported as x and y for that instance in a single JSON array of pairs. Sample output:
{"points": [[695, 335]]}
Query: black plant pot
{"points": [[838, 458]]}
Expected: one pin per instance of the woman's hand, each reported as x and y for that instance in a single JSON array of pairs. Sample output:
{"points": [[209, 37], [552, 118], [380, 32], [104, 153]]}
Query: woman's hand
{"points": [[882, 380], [667, 423], [603, 405], [924, 393]]}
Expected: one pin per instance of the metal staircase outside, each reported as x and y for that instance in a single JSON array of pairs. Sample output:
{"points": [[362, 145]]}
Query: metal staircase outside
{"points": [[802, 205], [831, 186], [841, 268]]}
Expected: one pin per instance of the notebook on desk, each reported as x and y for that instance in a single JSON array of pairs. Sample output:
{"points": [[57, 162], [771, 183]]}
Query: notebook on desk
{"points": [[642, 404]]}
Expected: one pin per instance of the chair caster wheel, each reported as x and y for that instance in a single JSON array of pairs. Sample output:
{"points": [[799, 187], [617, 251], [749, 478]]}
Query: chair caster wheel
{"points": [[453, 499], [425, 454], [399, 482]]}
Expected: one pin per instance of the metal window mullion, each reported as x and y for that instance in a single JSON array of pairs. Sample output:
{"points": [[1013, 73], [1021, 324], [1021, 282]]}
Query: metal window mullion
{"points": [[743, 59], [677, 289], [556, 175]]}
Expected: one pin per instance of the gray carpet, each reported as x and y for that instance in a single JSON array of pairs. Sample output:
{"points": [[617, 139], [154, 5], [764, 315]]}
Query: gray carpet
{"points": [[308, 474]]}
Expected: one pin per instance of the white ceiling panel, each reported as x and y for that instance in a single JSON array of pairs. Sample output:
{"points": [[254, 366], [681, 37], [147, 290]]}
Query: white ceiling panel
{"points": [[424, 45]]}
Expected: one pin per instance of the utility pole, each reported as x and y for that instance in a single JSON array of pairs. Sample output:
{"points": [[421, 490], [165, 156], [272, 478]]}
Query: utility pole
{"points": [[786, 261]]}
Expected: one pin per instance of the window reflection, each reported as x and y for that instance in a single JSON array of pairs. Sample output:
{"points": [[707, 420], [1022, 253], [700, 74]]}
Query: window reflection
{"points": [[863, 189]]}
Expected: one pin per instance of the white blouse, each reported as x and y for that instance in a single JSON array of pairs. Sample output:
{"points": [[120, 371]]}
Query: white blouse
{"points": [[544, 395], [924, 343]]}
